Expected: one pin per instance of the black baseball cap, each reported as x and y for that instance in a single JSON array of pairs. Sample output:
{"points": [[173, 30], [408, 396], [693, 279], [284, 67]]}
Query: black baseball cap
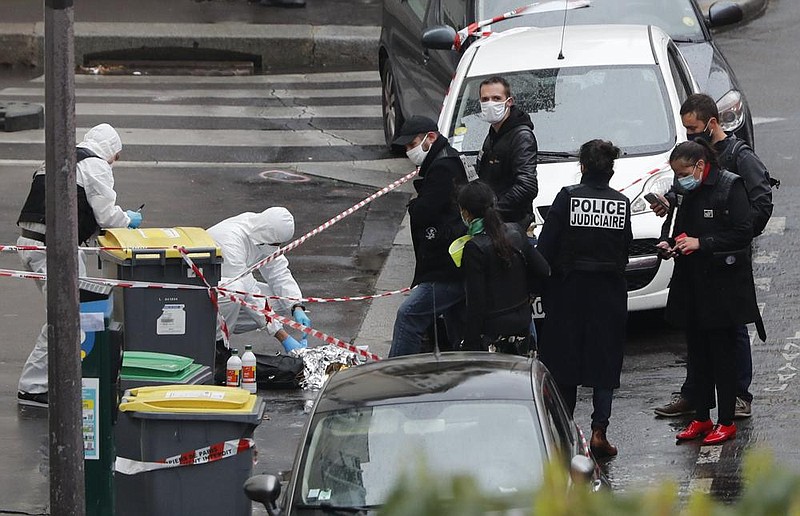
{"points": [[412, 127]]}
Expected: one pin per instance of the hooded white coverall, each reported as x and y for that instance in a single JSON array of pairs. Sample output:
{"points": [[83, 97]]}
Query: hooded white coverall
{"points": [[245, 240], [96, 177]]}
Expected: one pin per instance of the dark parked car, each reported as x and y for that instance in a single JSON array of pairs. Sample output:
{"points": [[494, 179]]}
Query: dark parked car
{"points": [[371, 424], [415, 79]]}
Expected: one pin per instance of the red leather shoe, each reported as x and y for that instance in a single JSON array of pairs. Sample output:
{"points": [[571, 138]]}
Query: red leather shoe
{"points": [[695, 429], [720, 434]]}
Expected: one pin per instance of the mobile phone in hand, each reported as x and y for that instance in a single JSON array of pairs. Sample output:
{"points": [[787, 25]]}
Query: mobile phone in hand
{"points": [[655, 199]]}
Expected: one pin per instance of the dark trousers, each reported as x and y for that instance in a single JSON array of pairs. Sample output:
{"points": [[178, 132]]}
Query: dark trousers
{"points": [[744, 369], [712, 363], [601, 402]]}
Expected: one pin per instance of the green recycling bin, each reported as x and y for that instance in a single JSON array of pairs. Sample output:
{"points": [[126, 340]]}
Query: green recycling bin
{"points": [[142, 368], [185, 450], [101, 344]]}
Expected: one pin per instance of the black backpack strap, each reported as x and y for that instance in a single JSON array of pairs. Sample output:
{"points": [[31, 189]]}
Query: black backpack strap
{"points": [[82, 154], [723, 191]]}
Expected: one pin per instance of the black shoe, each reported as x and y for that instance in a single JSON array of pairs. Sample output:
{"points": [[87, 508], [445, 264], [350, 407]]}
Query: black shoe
{"points": [[32, 400]]}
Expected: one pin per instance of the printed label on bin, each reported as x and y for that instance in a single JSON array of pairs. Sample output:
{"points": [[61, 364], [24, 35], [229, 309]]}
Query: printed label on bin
{"points": [[211, 395], [171, 233], [90, 388], [172, 320], [92, 321]]}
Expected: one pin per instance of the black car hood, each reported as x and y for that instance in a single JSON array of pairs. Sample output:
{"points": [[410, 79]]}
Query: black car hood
{"points": [[709, 68]]}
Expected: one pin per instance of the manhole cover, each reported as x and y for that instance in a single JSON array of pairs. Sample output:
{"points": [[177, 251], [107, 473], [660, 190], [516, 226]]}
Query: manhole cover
{"points": [[284, 176]]}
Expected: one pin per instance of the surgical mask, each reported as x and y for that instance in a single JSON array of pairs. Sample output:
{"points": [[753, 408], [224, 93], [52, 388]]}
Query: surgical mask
{"points": [[689, 182], [705, 134], [493, 112], [417, 154]]}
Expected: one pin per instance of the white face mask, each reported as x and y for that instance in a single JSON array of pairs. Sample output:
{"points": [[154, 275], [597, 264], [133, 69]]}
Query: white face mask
{"points": [[417, 154], [493, 112]]}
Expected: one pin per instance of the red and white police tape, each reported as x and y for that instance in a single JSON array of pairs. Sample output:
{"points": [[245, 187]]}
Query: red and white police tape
{"points": [[323, 227], [316, 299], [296, 325], [206, 455]]}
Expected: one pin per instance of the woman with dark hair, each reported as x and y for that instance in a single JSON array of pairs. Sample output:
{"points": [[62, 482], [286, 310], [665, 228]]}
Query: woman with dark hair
{"points": [[499, 263], [585, 238], [712, 290]]}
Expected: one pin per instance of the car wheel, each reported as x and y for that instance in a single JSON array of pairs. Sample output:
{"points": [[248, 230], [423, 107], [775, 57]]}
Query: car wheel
{"points": [[392, 117]]}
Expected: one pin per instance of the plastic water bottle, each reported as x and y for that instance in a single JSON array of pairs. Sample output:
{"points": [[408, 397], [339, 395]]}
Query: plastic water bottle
{"points": [[233, 371], [249, 370]]}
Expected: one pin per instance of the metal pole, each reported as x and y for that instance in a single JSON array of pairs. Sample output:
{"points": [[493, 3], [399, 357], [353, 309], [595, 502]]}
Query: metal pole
{"points": [[67, 495]]}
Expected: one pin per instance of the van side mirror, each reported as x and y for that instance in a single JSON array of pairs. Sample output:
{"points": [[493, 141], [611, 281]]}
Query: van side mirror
{"points": [[439, 37], [724, 13], [264, 489]]}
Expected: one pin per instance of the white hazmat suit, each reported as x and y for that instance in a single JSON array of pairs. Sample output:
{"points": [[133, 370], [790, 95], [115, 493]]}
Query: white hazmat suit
{"points": [[245, 240], [97, 179]]}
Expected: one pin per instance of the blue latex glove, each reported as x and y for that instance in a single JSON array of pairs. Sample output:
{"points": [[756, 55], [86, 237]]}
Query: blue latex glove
{"points": [[136, 219], [300, 316], [290, 343]]}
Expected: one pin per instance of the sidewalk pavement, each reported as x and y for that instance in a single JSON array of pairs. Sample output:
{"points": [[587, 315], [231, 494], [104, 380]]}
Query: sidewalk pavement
{"points": [[326, 34]]}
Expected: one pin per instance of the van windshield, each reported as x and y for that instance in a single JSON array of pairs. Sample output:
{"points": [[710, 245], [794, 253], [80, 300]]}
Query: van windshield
{"points": [[570, 106], [676, 17]]}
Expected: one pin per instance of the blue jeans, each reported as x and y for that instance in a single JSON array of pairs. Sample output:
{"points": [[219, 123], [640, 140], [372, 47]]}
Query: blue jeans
{"points": [[419, 310], [744, 369]]}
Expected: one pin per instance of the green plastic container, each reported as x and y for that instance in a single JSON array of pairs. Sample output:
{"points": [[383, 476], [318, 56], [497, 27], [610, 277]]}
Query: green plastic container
{"points": [[141, 368]]}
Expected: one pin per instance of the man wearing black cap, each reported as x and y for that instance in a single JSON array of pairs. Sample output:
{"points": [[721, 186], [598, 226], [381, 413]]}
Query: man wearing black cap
{"points": [[435, 223]]}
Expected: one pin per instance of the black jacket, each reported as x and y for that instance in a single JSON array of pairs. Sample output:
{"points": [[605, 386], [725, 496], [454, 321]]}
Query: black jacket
{"points": [[435, 219], [713, 287], [507, 163], [755, 175], [498, 302], [585, 238]]}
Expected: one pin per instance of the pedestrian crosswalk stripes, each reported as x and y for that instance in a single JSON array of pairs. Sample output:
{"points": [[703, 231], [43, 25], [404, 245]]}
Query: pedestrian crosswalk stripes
{"points": [[214, 138], [268, 118]]}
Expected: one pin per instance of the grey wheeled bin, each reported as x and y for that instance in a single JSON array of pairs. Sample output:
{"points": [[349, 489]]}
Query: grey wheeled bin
{"points": [[185, 450], [175, 321]]}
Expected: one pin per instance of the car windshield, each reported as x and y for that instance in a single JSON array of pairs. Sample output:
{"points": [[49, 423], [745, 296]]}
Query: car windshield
{"points": [[570, 106], [676, 17], [356, 457]]}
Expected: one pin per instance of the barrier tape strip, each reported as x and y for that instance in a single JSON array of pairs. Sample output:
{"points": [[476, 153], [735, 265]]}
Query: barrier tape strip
{"points": [[316, 299], [644, 177], [207, 455], [9, 273], [296, 325], [223, 325], [323, 227]]}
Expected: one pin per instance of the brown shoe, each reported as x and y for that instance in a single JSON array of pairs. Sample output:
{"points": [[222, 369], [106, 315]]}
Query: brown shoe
{"points": [[679, 406], [600, 446]]}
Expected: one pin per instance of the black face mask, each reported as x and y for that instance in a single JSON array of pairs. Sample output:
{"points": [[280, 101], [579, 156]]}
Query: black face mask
{"points": [[703, 135]]}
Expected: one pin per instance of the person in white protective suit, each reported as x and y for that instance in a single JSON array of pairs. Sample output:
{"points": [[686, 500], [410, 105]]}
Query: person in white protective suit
{"points": [[97, 209], [245, 240]]}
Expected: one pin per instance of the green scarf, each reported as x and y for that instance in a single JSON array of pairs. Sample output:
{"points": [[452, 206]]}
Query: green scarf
{"points": [[475, 227]]}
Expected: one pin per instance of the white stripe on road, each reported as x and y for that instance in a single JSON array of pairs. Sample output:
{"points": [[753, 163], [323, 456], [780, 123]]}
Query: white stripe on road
{"points": [[221, 138], [763, 257], [365, 76], [709, 454], [160, 95], [758, 120], [179, 110], [763, 283], [702, 485], [775, 226]]}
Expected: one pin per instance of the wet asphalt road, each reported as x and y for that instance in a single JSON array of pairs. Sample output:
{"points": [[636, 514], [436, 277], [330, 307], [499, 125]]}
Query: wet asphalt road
{"points": [[763, 53], [346, 260]]}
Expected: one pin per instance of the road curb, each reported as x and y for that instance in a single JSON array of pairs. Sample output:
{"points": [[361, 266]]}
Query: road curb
{"points": [[278, 47]]}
